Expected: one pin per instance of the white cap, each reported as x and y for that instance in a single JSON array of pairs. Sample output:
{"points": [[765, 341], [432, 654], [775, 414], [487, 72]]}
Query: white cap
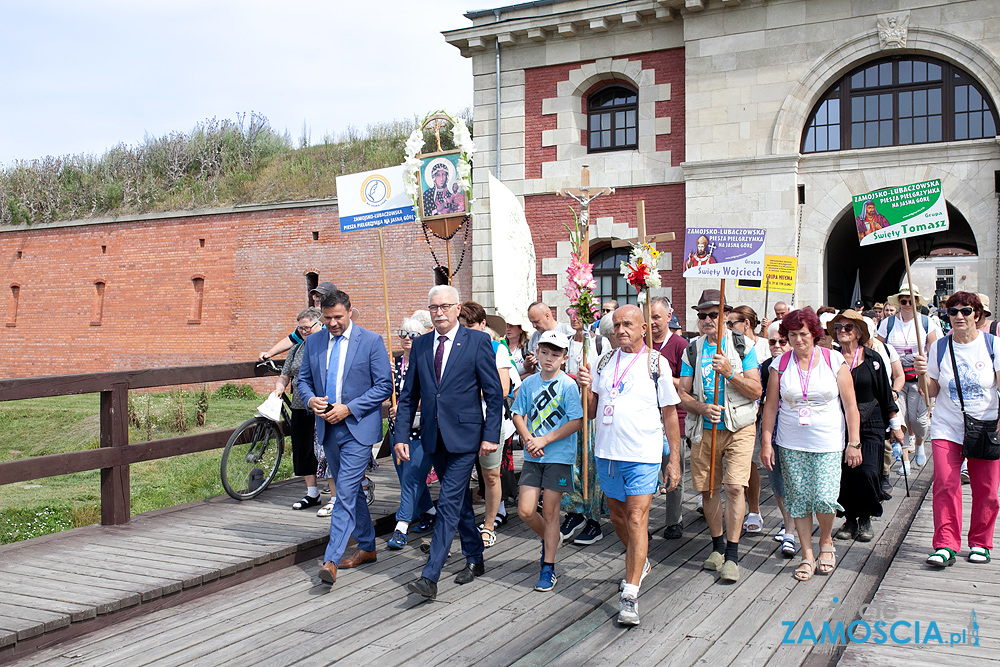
{"points": [[825, 318], [554, 338]]}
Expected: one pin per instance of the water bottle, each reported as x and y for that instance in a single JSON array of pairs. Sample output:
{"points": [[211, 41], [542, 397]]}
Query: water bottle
{"points": [[897, 451]]}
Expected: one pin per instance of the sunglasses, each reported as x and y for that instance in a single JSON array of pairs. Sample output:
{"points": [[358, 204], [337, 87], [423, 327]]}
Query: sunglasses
{"points": [[966, 311], [904, 302], [408, 334], [733, 323], [705, 316], [843, 326], [776, 341]]}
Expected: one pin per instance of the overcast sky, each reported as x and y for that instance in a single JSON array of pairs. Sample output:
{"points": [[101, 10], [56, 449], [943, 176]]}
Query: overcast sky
{"points": [[82, 76]]}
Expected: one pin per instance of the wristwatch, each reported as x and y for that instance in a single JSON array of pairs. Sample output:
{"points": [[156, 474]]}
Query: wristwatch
{"points": [[856, 445]]}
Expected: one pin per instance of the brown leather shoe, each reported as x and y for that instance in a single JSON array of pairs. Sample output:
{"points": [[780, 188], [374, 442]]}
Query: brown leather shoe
{"points": [[359, 557], [328, 572]]}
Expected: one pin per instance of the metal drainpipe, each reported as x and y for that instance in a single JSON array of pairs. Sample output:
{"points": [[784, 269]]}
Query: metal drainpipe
{"points": [[496, 14]]}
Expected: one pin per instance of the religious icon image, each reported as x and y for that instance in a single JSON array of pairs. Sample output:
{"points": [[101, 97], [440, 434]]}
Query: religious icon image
{"points": [[870, 220], [442, 194], [703, 255]]}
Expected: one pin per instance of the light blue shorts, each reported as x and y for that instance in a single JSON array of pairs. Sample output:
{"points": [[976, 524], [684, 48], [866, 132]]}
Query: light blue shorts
{"points": [[625, 478]]}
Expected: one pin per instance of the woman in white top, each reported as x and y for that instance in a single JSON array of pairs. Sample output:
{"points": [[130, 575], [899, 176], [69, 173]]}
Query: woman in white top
{"points": [[977, 357], [900, 331], [813, 384]]}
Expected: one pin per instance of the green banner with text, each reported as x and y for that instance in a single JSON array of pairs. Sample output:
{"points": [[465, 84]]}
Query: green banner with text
{"points": [[898, 213]]}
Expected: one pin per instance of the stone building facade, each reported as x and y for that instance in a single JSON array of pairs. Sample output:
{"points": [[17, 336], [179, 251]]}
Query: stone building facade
{"points": [[731, 99]]}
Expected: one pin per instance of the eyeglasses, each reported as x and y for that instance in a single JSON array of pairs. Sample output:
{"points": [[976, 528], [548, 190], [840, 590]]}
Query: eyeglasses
{"points": [[776, 341], [441, 308], [847, 327], [904, 302], [308, 327], [705, 316], [966, 311], [408, 334], [733, 323]]}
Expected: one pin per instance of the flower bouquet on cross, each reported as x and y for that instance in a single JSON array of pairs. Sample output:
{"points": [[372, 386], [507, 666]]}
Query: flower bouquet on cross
{"points": [[580, 286], [641, 269]]}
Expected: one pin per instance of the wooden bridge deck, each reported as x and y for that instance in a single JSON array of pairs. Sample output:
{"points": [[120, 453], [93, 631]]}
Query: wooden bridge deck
{"points": [[274, 611]]}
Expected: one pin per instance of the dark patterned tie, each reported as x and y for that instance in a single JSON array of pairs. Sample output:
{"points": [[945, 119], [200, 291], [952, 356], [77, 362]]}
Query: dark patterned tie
{"points": [[439, 357]]}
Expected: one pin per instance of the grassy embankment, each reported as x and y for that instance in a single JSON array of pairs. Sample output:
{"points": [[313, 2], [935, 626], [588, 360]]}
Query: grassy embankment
{"points": [[67, 423]]}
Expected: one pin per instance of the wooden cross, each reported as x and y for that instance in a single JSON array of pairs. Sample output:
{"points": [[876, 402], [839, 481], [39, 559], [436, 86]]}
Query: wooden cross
{"points": [[436, 125], [642, 239], [583, 195]]}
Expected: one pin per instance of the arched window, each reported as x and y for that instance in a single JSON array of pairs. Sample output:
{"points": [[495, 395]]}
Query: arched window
{"points": [[198, 283], [897, 102], [612, 119], [97, 309], [312, 281], [611, 284]]}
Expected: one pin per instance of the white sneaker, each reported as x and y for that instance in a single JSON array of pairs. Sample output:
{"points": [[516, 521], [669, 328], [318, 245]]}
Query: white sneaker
{"points": [[645, 570], [904, 468], [628, 610], [964, 474]]}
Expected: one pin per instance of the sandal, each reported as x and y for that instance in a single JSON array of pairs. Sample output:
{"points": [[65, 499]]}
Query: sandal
{"points": [[780, 535], [489, 537], [501, 520], [979, 555], [788, 545], [754, 522], [826, 565], [942, 557], [326, 510], [307, 501], [805, 570]]}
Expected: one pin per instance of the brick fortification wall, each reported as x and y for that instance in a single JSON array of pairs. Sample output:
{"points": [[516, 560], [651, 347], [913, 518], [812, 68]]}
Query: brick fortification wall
{"points": [[253, 265]]}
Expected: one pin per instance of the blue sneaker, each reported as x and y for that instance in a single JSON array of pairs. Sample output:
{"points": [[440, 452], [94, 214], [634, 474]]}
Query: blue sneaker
{"points": [[547, 579], [425, 525], [397, 541]]}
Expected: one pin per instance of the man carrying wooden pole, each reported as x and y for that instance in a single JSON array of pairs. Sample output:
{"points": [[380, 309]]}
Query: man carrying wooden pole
{"points": [[722, 430]]}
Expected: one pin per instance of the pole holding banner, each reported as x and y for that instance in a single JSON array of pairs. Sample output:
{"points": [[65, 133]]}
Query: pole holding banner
{"points": [[721, 329], [916, 321]]}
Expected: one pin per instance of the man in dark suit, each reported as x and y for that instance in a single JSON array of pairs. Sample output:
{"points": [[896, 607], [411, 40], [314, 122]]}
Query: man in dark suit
{"points": [[453, 371], [344, 378]]}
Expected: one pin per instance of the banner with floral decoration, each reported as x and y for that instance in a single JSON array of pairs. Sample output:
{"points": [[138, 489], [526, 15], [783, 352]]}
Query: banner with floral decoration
{"points": [[641, 270], [412, 164], [581, 285]]}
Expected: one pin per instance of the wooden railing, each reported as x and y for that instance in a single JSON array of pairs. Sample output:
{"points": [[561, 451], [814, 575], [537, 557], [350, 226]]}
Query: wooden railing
{"points": [[115, 454]]}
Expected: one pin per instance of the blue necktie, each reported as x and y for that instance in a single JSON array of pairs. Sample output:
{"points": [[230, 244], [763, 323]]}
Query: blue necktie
{"points": [[332, 369]]}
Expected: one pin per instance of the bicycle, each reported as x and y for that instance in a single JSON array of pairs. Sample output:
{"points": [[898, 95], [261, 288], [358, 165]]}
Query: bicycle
{"points": [[254, 450]]}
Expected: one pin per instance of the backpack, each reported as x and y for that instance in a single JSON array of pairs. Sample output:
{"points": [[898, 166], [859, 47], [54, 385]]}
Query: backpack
{"points": [[891, 322], [739, 344], [942, 343], [786, 357]]}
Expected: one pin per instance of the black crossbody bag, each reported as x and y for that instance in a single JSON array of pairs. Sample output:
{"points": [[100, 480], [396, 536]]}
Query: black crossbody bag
{"points": [[981, 441]]}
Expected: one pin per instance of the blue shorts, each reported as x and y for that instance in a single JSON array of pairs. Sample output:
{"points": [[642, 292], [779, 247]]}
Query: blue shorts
{"points": [[625, 478]]}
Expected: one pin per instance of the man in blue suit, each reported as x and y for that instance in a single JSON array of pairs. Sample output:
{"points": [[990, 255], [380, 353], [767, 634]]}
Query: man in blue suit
{"points": [[344, 378], [453, 371]]}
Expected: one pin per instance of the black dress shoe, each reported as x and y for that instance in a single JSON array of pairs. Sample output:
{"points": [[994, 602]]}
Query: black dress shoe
{"points": [[674, 532], [423, 586], [471, 571]]}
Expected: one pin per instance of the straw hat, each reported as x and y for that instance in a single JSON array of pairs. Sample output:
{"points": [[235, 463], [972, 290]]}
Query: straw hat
{"points": [[985, 300], [905, 291], [853, 316]]}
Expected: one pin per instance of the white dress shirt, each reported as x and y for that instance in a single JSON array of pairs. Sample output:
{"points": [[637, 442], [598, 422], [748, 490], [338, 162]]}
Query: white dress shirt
{"points": [[447, 345], [340, 362]]}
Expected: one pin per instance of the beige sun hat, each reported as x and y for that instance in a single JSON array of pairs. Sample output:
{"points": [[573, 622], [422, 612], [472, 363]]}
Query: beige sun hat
{"points": [[849, 315], [905, 291]]}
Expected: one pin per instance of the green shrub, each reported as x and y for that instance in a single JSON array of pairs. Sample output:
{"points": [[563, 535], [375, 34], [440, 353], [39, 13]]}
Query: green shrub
{"points": [[235, 390]]}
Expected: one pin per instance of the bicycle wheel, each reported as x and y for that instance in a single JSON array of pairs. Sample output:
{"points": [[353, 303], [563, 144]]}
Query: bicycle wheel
{"points": [[251, 458]]}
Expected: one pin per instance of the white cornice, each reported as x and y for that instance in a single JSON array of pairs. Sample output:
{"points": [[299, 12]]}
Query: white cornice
{"points": [[750, 166]]}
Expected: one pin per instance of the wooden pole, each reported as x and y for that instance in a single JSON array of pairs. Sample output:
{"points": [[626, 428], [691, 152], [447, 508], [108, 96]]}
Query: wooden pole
{"points": [[447, 247], [585, 258], [388, 323], [640, 217], [767, 294], [916, 320], [721, 329]]}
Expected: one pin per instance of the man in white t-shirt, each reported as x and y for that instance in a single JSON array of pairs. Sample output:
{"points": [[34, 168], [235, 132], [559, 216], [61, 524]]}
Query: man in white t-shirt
{"points": [[541, 319], [900, 331], [631, 413]]}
